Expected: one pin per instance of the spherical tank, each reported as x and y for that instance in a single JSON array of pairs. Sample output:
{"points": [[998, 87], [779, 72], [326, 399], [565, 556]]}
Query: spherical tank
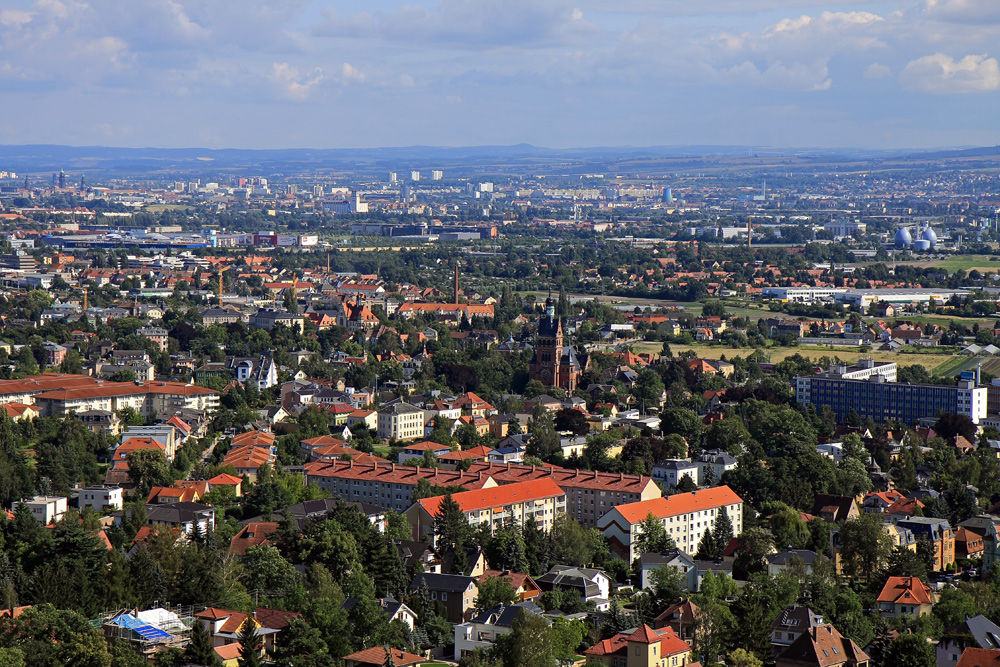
{"points": [[903, 238]]}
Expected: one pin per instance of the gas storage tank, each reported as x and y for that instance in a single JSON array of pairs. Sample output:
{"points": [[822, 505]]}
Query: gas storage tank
{"points": [[903, 238], [922, 245], [929, 236]]}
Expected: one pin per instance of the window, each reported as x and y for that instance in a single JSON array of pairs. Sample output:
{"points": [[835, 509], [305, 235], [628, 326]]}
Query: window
{"points": [[444, 596]]}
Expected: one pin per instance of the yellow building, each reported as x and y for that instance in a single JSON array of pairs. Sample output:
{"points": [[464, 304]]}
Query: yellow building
{"points": [[495, 507], [645, 647]]}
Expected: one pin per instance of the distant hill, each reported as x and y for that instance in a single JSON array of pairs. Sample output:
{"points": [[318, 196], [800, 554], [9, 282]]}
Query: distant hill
{"points": [[956, 153]]}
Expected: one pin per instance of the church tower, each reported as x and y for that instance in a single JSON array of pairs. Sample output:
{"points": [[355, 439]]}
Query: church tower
{"points": [[545, 366]]}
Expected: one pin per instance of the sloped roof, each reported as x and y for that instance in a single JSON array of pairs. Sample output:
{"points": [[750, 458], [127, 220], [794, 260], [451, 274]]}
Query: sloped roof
{"points": [[496, 496], [681, 503], [905, 590]]}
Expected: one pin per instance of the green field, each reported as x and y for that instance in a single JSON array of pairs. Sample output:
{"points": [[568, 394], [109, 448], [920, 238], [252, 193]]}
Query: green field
{"points": [[966, 263]]}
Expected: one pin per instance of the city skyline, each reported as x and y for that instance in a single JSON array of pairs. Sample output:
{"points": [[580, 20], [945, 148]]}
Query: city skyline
{"points": [[567, 73]]}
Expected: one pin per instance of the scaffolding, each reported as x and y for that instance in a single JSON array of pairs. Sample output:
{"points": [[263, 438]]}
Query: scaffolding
{"points": [[149, 631]]}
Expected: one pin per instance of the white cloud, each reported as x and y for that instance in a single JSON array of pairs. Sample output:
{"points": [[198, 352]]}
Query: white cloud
{"points": [[352, 73], [973, 12], [940, 73], [877, 71], [14, 18], [293, 84]]}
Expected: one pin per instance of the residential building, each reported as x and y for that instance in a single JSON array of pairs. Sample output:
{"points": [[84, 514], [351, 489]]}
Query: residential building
{"points": [[100, 498], [268, 319], [884, 400], [190, 518], [685, 516], [681, 617], [456, 592], [979, 657], [669, 472], [676, 560], [523, 584], [645, 647], [592, 584], [400, 421], [778, 563], [938, 532], [823, 646], [790, 624], [260, 370], [376, 657], [977, 632], [484, 628], [157, 335], [146, 398], [541, 500], [835, 509], [589, 494], [905, 596], [712, 464], [45, 509], [386, 484], [418, 449]]}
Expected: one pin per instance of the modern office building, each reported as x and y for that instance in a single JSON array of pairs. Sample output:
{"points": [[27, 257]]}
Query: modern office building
{"points": [[870, 390]]}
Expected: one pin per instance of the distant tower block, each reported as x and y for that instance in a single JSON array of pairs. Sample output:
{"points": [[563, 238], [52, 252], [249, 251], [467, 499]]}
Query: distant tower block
{"points": [[437, 175], [393, 177], [414, 175]]}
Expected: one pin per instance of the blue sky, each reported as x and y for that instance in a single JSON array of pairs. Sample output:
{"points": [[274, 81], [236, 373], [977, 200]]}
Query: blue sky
{"points": [[558, 73]]}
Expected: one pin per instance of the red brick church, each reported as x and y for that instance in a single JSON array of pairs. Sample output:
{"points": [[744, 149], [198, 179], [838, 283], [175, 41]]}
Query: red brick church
{"points": [[555, 364]]}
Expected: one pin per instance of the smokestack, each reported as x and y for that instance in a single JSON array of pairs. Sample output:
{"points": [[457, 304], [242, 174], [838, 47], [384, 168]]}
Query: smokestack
{"points": [[84, 300], [749, 234], [456, 283], [220, 288]]}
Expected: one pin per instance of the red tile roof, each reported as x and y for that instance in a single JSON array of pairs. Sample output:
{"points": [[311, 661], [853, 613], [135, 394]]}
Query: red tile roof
{"points": [[376, 656], [496, 496], [979, 657], [682, 503], [905, 590]]}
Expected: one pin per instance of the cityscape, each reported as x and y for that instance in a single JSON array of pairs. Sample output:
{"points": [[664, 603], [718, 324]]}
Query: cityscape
{"points": [[520, 335]]}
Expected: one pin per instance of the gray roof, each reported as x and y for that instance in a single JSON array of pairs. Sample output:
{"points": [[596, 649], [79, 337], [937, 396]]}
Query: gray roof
{"points": [[785, 557], [796, 617], [985, 632], [503, 615], [450, 583]]}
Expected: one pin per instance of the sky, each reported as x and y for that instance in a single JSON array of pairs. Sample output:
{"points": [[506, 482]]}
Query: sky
{"points": [[554, 73]]}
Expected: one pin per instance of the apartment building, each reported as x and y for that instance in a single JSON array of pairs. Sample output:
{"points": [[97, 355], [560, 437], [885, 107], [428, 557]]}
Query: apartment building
{"points": [[589, 494], [685, 516], [101, 497], [144, 397], [401, 421], [385, 484], [494, 507]]}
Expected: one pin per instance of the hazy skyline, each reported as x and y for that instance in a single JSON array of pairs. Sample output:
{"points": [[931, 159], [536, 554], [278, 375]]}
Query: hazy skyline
{"points": [[557, 73]]}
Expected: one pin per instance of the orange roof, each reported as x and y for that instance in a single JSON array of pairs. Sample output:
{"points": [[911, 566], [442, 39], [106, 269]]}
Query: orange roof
{"points": [[17, 409], [682, 503], [376, 656], [254, 533], [477, 452], [247, 457], [225, 479], [905, 590], [670, 643], [254, 437], [135, 444], [496, 496], [229, 651], [323, 440], [109, 389], [979, 657], [425, 446]]}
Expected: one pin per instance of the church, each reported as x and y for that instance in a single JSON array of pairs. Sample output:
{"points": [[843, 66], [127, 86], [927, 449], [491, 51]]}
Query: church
{"points": [[555, 364]]}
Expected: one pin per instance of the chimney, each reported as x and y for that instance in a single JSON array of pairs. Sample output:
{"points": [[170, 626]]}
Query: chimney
{"points": [[456, 283], [393, 468], [621, 477]]}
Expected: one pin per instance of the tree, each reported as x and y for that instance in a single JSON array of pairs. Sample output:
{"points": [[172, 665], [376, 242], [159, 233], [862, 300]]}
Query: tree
{"points": [[653, 537], [755, 545], [529, 643], [200, 650], [250, 645], [148, 468], [950, 425], [573, 420], [451, 528], [544, 440], [303, 646], [864, 546], [648, 388], [494, 591], [743, 658], [909, 650], [53, 636]]}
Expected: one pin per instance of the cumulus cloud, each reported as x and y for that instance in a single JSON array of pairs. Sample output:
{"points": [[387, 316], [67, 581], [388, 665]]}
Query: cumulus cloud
{"points": [[294, 85], [940, 73], [877, 71], [463, 24], [975, 12]]}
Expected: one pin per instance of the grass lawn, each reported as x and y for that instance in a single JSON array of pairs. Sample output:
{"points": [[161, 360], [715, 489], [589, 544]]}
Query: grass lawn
{"points": [[930, 361], [968, 262]]}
